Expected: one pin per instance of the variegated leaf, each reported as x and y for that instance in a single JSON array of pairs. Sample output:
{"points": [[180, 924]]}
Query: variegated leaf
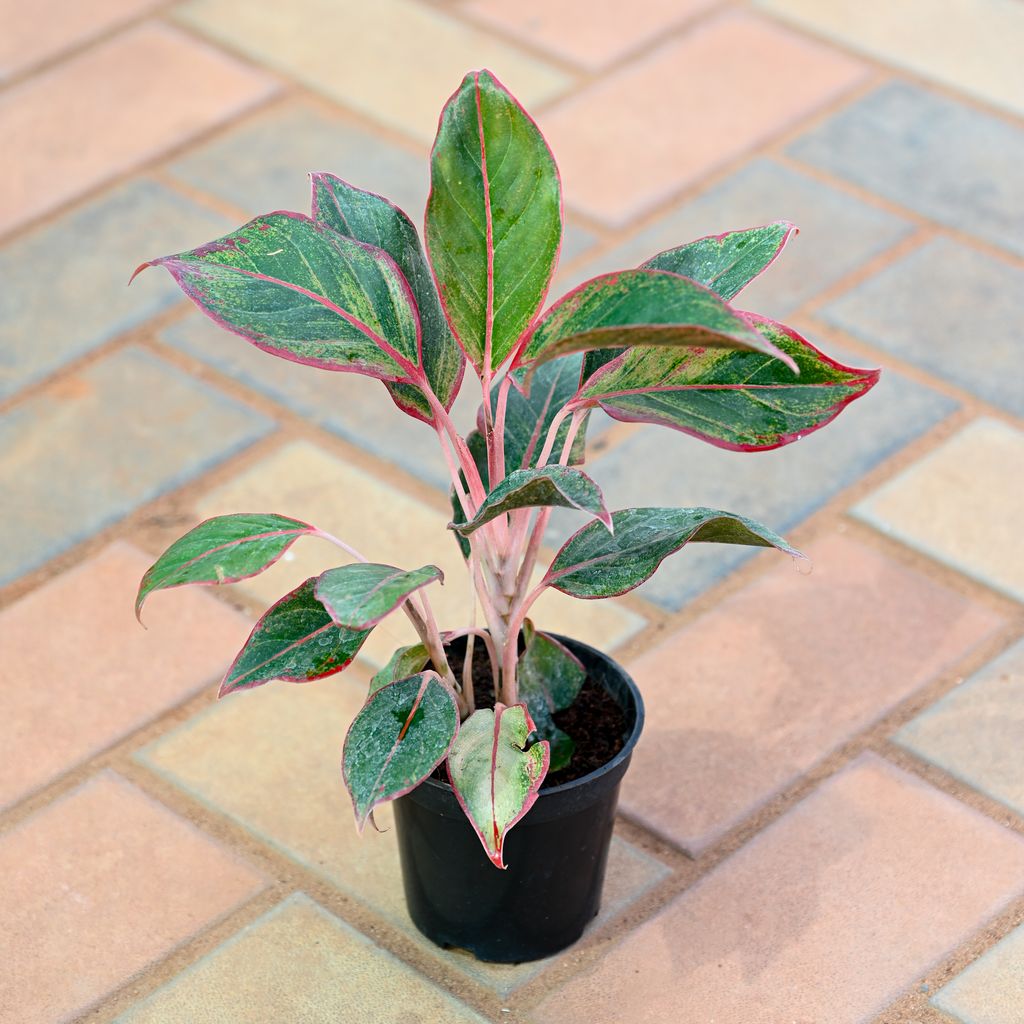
{"points": [[594, 563], [401, 734], [373, 219], [495, 777], [547, 486], [301, 291], [634, 308], [726, 263], [740, 400], [295, 640], [550, 678], [406, 661], [360, 594], [224, 549], [494, 218]]}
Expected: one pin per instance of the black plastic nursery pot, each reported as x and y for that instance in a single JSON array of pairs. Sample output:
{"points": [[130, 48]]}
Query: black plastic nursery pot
{"points": [[556, 855]]}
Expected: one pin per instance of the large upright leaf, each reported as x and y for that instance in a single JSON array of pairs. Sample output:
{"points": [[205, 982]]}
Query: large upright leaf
{"points": [[595, 563], [550, 678], [494, 776], [370, 218], [224, 549], [301, 291], [494, 217], [726, 263], [360, 594], [547, 486], [740, 400], [401, 734], [295, 640], [640, 308]]}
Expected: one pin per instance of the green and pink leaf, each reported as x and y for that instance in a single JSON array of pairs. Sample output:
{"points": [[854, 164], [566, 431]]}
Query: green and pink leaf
{"points": [[405, 662], [401, 734], [360, 594], [224, 549], [496, 773], [296, 640]]}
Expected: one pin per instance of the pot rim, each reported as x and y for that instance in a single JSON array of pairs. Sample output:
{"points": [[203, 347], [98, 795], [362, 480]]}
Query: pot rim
{"points": [[627, 747]]}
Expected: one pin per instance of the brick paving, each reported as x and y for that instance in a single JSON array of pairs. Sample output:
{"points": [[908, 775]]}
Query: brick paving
{"points": [[825, 820]]}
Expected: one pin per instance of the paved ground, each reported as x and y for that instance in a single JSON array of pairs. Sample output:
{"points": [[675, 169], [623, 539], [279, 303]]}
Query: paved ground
{"points": [[825, 820]]}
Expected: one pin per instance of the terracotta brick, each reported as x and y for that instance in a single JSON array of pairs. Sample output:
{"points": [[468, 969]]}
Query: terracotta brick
{"points": [[631, 140], [108, 110], [591, 33], [34, 32], [828, 915], [298, 959], [991, 990], [389, 526], [65, 701], [269, 760], [961, 504], [928, 37], [751, 695], [96, 887], [409, 59]]}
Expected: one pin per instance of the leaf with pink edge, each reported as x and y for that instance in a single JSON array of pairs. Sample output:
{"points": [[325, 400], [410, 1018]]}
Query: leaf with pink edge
{"points": [[401, 734], [297, 640], [496, 773], [301, 291], [224, 549], [360, 594]]}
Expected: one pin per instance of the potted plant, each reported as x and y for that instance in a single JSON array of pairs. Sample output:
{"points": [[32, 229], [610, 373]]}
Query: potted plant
{"points": [[503, 746]]}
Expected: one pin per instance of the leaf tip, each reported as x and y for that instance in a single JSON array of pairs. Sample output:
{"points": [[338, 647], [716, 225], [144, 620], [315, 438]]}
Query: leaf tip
{"points": [[139, 269]]}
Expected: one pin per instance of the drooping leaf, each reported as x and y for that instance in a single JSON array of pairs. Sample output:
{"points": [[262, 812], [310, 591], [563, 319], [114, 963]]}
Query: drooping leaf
{"points": [[494, 218], [594, 563], [550, 678], [740, 400], [494, 776], [295, 640], [726, 263], [301, 291], [224, 549], [548, 486], [478, 449], [401, 734], [360, 594], [640, 308], [370, 218], [406, 661], [530, 413]]}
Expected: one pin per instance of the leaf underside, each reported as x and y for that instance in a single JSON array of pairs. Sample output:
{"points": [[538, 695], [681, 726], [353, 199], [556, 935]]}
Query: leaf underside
{"points": [[548, 486], [495, 779], [374, 220], [740, 400], [494, 218], [401, 734], [296, 640], [224, 549], [360, 594], [594, 563]]}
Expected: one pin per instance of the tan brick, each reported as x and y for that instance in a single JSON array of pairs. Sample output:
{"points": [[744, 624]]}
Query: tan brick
{"points": [[269, 759], [635, 137], [387, 526], [110, 109], [395, 60], [34, 32], [591, 33], [97, 886], [974, 47], [78, 672], [826, 916], [961, 504], [299, 963], [748, 697]]}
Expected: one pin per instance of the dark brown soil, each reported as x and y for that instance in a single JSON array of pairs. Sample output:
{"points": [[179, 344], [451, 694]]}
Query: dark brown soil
{"points": [[594, 721]]}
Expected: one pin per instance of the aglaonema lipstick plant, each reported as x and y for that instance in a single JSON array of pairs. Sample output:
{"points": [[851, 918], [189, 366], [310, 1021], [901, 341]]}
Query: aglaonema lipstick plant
{"points": [[350, 289]]}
